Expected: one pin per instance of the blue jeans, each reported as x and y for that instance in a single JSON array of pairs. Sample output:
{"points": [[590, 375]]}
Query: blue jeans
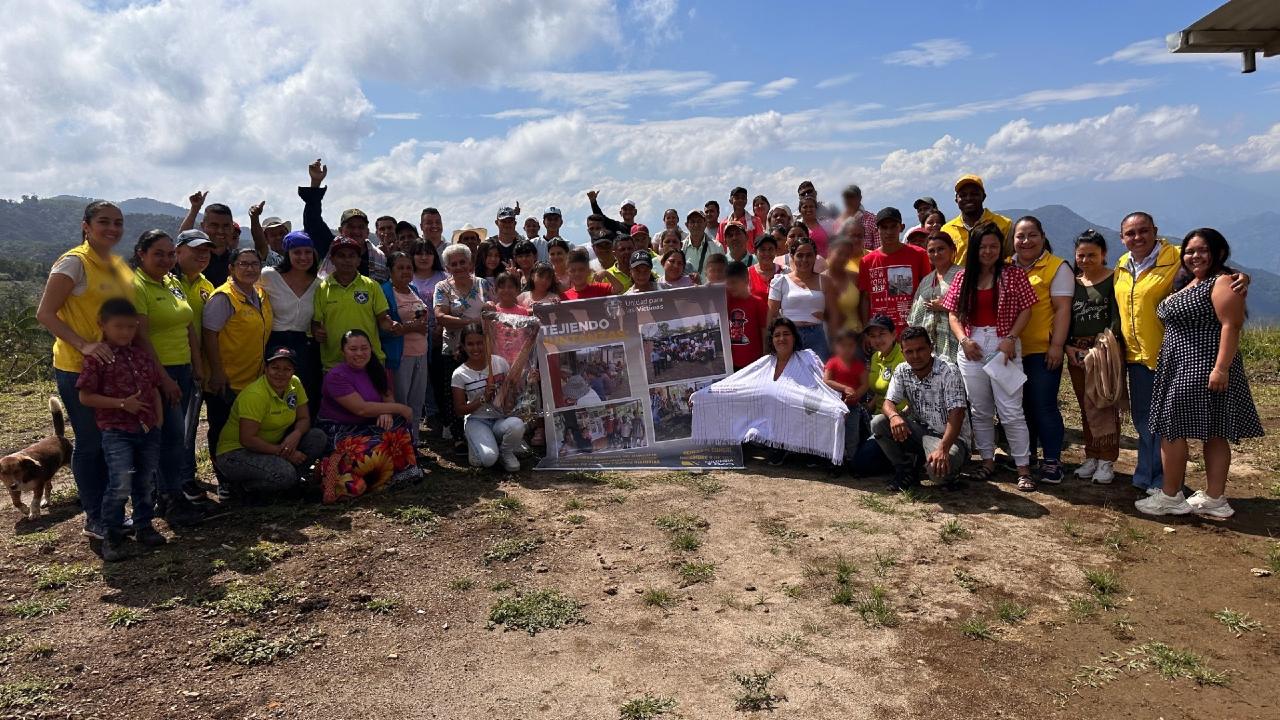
{"points": [[814, 337], [1150, 471], [1040, 406], [132, 458], [177, 456], [88, 465]]}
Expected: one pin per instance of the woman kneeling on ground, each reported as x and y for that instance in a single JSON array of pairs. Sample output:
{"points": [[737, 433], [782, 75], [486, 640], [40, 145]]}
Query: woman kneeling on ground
{"points": [[370, 446], [268, 446], [483, 395]]}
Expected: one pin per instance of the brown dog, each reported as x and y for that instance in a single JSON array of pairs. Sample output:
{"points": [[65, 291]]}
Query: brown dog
{"points": [[32, 469]]}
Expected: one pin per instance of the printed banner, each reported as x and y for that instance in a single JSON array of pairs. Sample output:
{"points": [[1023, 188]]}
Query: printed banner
{"points": [[617, 373]]}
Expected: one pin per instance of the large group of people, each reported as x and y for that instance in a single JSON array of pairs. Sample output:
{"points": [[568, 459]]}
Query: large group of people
{"points": [[325, 357]]}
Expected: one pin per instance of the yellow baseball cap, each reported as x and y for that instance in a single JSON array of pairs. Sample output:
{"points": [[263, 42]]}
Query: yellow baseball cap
{"points": [[964, 179]]}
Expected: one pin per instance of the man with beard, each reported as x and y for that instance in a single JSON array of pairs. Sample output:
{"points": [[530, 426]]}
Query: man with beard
{"points": [[970, 196]]}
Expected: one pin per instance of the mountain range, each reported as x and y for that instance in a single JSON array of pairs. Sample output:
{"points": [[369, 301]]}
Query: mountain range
{"points": [[37, 230]]}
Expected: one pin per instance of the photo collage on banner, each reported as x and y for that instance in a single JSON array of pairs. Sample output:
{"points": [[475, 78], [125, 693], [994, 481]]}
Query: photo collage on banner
{"points": [[617, 374]]}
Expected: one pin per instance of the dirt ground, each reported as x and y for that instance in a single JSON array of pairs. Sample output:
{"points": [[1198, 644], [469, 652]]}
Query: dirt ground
{"points": [[981, 603]]}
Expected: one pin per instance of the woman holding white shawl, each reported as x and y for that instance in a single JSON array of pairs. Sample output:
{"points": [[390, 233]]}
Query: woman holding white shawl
{"points": [[779, 401]]}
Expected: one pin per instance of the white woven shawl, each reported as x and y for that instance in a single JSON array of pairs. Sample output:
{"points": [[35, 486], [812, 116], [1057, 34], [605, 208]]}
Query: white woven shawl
{"points": [[797, 412]]}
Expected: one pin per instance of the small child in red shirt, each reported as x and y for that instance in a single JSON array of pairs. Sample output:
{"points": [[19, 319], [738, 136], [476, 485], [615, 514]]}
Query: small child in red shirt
{"points": [[846, 373], [747, 316], [125, 395]]}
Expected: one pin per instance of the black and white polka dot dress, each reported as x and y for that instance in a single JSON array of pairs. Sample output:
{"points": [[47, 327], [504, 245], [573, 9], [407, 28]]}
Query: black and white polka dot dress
{"points": [[1182, 406]]}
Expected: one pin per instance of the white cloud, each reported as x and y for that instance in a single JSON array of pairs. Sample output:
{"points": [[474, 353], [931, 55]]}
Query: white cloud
{"points": [[398, 116], [522, 114], [1155, 52], [721, 94], [610, 88], [654, 18], [930, 53], [836, 81], [776, 87]]}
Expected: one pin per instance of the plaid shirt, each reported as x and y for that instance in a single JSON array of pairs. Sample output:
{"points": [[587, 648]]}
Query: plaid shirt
{"points": [[931, 399], [132, 372], [1013, 295], [870, 231]]}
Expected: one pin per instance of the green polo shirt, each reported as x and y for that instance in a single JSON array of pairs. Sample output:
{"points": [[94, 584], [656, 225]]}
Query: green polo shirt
{"points": [[274, 412], [339, 308], [169, 316]]}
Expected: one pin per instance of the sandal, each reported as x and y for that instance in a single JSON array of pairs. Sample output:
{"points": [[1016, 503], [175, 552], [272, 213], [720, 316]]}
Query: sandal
{"points": [[982, 473], [1026, 484]]}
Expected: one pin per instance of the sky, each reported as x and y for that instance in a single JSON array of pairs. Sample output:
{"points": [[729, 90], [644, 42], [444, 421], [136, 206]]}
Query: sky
{"points": [[474, 105]]}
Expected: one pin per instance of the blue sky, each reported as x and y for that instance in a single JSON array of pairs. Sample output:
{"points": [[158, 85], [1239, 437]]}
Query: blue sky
{"points": [[422, 102]]}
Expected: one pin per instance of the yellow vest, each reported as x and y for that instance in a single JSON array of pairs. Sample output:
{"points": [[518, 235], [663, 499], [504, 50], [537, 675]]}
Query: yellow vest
{"points": [[1138, 297], [103, 280], [1035, 336], [243, 340], [960, 233]]}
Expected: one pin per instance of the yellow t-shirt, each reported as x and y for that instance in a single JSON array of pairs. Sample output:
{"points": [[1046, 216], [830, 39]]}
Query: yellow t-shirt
{"points": [[275, 412], [339, 308], [169, 316]]}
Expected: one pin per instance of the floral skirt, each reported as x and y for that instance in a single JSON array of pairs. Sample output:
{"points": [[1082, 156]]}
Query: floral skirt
{"points": [[364, 459]]}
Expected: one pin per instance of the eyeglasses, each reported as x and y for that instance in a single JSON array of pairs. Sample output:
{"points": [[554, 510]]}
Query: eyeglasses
{"points": [[250, 265]]}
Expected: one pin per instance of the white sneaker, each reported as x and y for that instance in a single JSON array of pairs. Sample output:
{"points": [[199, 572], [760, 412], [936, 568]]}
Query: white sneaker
{"points": [[509, 462], [1087, 470], [1161, 504], [1153, 491], [1208, 507], [1105, 473]]}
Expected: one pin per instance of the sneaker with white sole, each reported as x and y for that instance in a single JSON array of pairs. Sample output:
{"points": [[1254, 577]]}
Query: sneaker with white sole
{"points": [[1153, 491], [1161, 504], [1086, 471], [1202, 504], [1104, 473], [510, 463]]}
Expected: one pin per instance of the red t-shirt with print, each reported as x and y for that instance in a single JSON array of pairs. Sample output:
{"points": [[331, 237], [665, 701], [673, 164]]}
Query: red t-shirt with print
{"points": [[747, 318], [889, 281]]}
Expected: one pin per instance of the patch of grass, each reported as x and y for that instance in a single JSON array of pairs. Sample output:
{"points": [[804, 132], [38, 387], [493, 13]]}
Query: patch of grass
{"points": [[382, 605], [876, 503], [777, 529], [844, 570], [693, 572], [501, 585], [1273, 558], [29, 693], [591, 477], [36, 608], [854, 526], [686, 540], [646, 707], [795, 592], [1072, 529], [536, 611], [40, 651], [461, 584], [259, 556], [509, 504], [574, 503], [169, 604], [975, 628], [1122, 627], [64, 495], [843, 595], [875, 609], [621, 482], [60, 575], [123, 617], [249, 647], [755, 693], [41, 541], [1123, 538], [884, 562], [953, 532], [511, 548], [659, 598], [576, 519], [703, 483], [1082, 608], [1102, 581], [966, 579], [1174, 664], [1010, 612], [1237, 622], [417, 515], [681, 522], [248, 598]]}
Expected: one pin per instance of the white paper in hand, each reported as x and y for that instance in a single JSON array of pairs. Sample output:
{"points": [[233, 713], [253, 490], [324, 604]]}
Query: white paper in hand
{"points": [[1008, 376]]}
